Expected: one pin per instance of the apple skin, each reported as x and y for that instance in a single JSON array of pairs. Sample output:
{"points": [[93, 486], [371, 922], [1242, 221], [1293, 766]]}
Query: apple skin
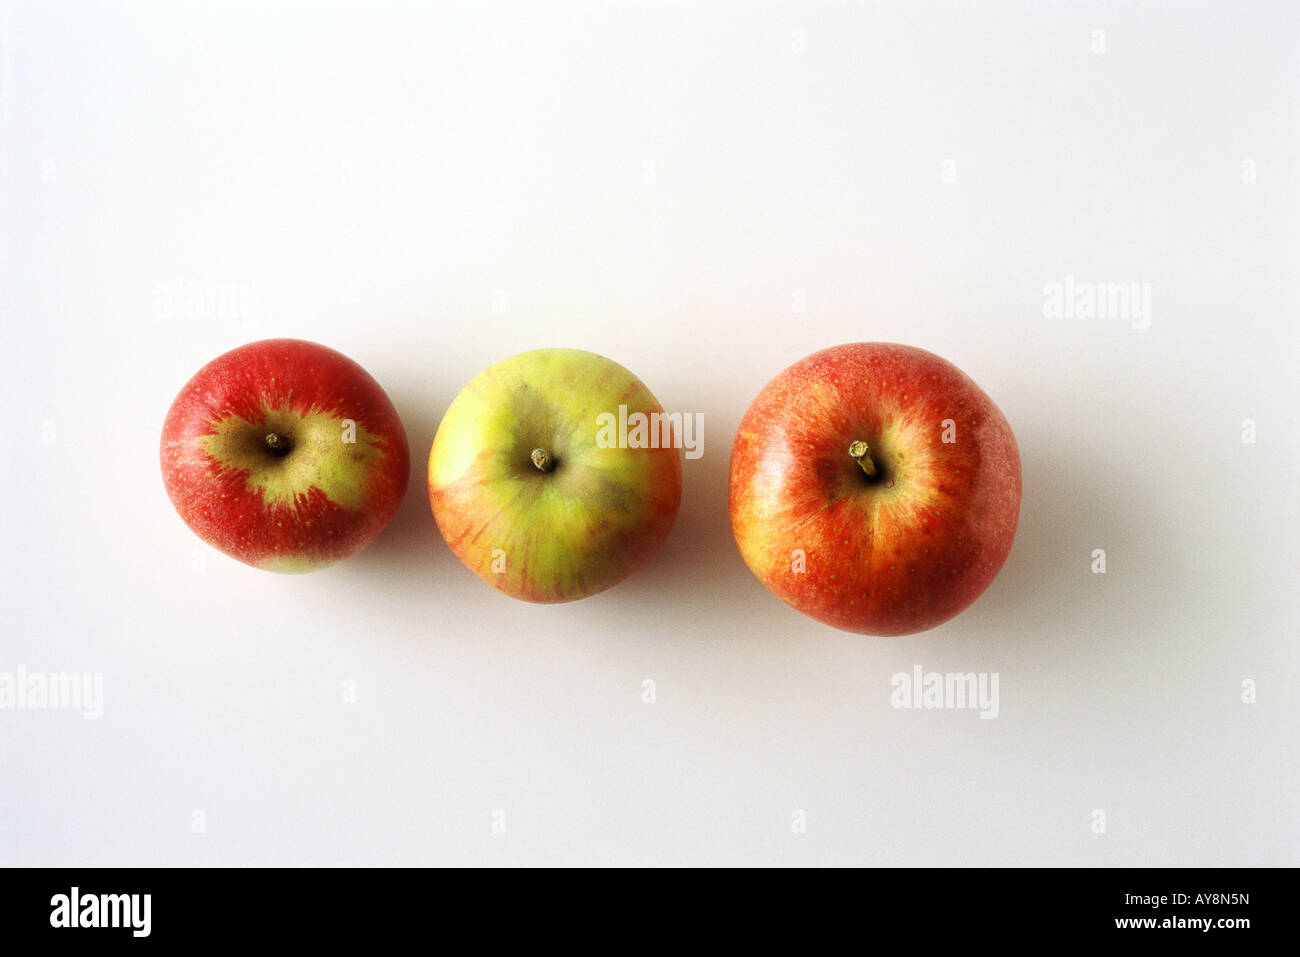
{"points": [[891, 555], [589, 522], [316, 500]]}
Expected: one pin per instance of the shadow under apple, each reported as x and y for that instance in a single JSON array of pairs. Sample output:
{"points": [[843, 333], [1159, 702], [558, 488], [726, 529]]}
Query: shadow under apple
{"points": [[1072, 504], [411, 540]]}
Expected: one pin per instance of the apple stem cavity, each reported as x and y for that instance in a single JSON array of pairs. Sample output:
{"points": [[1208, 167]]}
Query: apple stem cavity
{"points": [[277, 444], [542, 459], [859, 452]]}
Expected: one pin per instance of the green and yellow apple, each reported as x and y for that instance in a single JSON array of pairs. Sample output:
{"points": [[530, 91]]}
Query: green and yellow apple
{"points": [[285, 455], [875, 487], [533, 491]]}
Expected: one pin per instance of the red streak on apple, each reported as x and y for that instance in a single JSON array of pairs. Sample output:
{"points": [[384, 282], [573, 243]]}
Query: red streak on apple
{"points": [[891, 554]]}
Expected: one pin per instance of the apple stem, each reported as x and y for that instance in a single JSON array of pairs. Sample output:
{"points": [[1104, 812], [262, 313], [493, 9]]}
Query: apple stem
{"points": [[277, 443], [542, 459], [859, 452]]}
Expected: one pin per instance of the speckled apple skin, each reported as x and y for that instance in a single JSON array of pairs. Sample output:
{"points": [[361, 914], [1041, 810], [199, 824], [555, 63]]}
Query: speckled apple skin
{"points": [[892, 556], [333, 500]]}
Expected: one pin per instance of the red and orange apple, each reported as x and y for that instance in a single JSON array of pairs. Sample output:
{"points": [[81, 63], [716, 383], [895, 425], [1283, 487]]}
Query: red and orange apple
{"points": [[875, 487], [285, 455]]}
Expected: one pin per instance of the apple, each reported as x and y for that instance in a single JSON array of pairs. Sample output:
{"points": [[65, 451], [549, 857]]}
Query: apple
{"points": [[535, 494], [874, 487], [285, 455]]}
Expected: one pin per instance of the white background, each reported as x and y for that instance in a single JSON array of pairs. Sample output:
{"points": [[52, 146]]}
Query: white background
{"points": [[430, 188]]}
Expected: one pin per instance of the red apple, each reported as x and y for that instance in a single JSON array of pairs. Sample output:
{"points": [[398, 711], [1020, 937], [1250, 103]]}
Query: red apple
{"points": [[875, 487], [284, 454]]}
